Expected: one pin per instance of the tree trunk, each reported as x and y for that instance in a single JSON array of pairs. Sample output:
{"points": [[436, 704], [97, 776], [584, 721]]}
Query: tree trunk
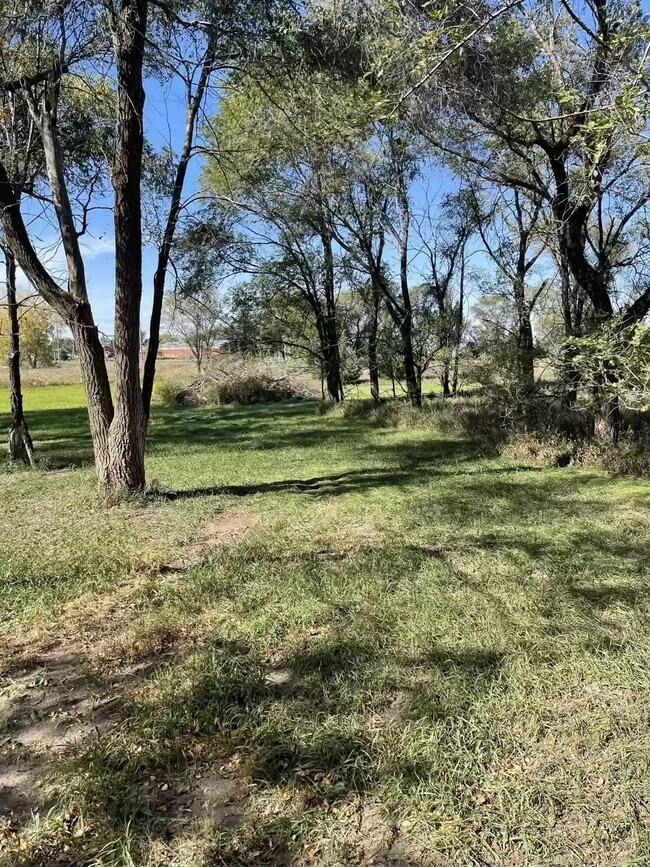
{"points": [[413, 388], [373, 364], [413, 385], [330, 374], [21, 447], [526, 348], [94, 378], [125, 471], [168, 236], [572, 315], [459, 324], [444, 379], [608, 420], [330, 325], [72, 306]]}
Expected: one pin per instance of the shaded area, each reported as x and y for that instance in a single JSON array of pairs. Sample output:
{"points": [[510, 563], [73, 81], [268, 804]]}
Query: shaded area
{"points": [[63, 437]]}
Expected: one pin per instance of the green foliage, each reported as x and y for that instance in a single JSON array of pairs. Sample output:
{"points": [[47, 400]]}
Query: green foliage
{"points": [[616, 360], [167, 392]]}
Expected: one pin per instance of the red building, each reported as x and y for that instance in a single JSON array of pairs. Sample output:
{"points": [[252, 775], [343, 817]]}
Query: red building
{"points": [[183, 351]]}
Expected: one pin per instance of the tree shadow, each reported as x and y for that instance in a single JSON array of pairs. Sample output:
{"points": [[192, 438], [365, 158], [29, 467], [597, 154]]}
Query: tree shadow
{"points": [[63, 439], [314, 730], [294, 738], [411, 472]]}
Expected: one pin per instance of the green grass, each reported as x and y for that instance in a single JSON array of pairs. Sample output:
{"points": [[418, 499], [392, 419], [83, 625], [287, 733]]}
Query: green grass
{"points": [[458, 647]]}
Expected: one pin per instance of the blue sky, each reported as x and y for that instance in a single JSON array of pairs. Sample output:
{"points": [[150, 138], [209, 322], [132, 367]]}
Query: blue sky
{"points": [[165, 109], [164, 123]]}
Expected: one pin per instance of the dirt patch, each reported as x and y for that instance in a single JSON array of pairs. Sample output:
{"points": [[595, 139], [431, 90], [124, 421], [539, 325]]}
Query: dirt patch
{"points": [[367, 837], [57, 695], [50, 706], [395, 708], [226, 529], [212, 792], [230, 526]]}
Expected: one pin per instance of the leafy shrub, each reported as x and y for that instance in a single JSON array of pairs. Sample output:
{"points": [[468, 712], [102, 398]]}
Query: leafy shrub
{"points": [[168, 393], [357, 408]]}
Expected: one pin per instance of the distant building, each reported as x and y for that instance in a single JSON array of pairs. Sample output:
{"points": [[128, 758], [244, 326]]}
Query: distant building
{"points": [[183, 351], [109, 351]]}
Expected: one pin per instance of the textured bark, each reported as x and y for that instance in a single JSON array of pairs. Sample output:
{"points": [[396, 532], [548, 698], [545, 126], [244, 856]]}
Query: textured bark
{"points": [[125, 469], [117, 432], [21, 447], [459, 325], [329, 325], [445, 379], [373, 364], [75, 310], [608, 418], [329, 365], [525, 342], [572, 309], [413, 388]]}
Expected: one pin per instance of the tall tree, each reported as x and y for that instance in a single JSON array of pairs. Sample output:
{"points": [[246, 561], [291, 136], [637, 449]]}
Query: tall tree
{"points": [[445, 246], [542, 100], [71, 35], [508, 225], [21, 447], [277, 174]]}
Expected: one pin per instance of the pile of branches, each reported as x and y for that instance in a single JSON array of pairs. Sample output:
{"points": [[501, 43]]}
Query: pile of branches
{"points": [[246, 382]]}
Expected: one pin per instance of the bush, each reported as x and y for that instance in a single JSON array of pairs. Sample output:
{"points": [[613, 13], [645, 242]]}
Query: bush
{"points": [[465, 416], [168, 393]]}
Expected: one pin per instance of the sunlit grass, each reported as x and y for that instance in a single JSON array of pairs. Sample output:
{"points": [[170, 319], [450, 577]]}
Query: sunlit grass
{"points": [[412, 650]]}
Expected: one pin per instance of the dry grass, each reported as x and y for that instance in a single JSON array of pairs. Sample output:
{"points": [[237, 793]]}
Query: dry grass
{"points": [[68, 373]]}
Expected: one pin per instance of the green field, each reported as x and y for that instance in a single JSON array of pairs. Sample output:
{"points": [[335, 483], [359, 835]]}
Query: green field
{"points": [[320, 642]]}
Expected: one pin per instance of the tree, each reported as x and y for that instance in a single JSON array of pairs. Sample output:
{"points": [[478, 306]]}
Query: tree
{"points": [[280, 182], [35, 332], [543, 101], [194, 315], [508, 225], [374, 205], [117, 426], [21, 447], [445, 249]]}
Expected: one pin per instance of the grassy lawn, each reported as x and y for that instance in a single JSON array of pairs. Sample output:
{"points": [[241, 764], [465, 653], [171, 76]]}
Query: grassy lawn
{"points": [[320, 642]]}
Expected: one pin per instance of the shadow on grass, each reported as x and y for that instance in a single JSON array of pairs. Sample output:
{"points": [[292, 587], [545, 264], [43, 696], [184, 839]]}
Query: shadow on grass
{"points": [[417, 472], [328, 723], [297, 740], [63, 439], [332, 728]]}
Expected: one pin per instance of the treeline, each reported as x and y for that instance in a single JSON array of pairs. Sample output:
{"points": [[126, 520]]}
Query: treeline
{"points": [[531, 118], [318, 209]]}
